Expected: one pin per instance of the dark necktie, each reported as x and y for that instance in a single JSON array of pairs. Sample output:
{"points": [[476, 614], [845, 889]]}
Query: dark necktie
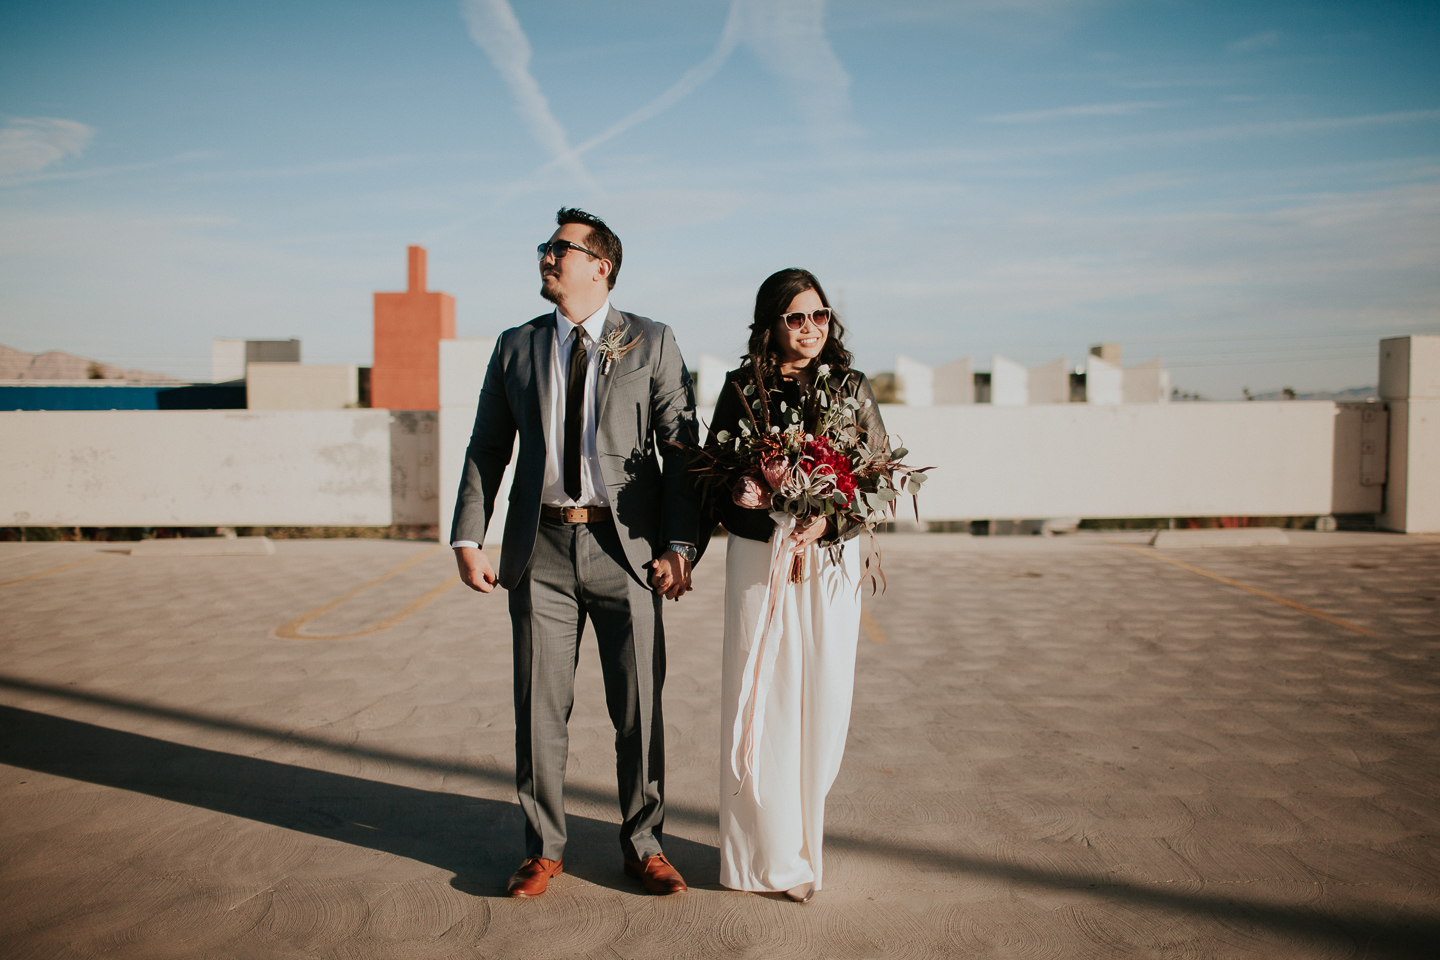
{"points": [[574, 416]]}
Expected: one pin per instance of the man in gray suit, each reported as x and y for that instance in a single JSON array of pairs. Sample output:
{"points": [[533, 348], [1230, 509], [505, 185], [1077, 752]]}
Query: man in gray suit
{"points": [[597, 528]]}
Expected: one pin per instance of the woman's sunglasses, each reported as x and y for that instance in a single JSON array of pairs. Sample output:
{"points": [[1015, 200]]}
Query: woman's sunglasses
{"points": [[821, 318]]}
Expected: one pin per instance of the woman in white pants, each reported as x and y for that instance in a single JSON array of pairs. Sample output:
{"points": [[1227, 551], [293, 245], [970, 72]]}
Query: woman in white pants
{"points": [[788, 667]]}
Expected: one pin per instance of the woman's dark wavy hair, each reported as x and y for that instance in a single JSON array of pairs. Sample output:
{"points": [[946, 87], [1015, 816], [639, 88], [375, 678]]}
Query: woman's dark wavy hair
{"points": [[771, 301]]}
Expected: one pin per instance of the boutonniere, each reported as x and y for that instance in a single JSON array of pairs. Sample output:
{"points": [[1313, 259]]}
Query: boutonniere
{"points": [[612, 347]]}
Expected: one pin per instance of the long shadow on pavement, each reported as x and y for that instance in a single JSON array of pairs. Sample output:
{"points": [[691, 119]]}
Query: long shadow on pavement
{"points": [[477, 839]]}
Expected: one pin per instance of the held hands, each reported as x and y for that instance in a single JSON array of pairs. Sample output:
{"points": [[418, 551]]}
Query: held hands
{"points": [[475, 569], [809, 534], [670, 575]]}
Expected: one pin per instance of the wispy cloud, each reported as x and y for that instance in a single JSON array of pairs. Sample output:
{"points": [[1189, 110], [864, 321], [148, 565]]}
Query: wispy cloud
{"points": [[495, 29], [323, 168], [1083, 110], [101, 173], [788, 37], [1263, 40], [29, 145], [946, 156]]}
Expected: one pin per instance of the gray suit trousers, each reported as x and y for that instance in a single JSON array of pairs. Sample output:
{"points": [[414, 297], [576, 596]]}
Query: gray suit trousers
{"points": [[579, 571]]}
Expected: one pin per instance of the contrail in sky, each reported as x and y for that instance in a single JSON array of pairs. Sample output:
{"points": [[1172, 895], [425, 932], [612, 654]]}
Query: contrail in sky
{"points": [[786, 36], [495, 29], [686, 85], [789, 39]]}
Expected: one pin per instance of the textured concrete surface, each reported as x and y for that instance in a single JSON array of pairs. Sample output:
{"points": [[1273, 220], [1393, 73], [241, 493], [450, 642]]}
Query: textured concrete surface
{"points": [[1062, 748]]}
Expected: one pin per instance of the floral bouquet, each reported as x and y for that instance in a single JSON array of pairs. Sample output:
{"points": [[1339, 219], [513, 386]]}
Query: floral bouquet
{"points": [[835, 471]]}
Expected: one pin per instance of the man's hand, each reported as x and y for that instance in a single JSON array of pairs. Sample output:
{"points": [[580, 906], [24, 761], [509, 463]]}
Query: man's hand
{"points": [[475, 569], [814, 531], [670, 575]]}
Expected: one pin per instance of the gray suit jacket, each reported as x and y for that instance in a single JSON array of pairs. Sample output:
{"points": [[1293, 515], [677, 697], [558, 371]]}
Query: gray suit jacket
{"points": [[644, 406]]}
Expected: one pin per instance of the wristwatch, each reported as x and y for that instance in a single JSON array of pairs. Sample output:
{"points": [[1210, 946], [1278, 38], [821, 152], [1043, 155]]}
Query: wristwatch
{"points": [[685, 550]]}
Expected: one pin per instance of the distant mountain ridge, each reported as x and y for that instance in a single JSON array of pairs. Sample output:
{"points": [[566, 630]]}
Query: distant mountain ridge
{"points": [[1353, 395], [57, 365]]}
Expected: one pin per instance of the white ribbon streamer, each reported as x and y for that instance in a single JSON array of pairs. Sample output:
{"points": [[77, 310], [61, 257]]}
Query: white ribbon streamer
{"points": [[764, 650]]}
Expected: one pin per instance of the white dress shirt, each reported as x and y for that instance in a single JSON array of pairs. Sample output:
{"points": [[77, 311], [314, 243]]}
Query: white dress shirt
{"points": [[592, 484]]}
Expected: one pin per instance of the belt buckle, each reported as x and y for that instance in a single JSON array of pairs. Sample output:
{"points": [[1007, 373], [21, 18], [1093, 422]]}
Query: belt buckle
{"points": [[576, 514]]}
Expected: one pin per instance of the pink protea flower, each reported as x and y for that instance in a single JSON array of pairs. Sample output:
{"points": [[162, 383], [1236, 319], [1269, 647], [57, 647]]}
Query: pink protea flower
{"points": [[776, 469], [750, 493]]}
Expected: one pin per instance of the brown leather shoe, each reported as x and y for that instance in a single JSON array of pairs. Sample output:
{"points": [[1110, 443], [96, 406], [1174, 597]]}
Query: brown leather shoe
{"points": [[656, 874], [533, 877]]}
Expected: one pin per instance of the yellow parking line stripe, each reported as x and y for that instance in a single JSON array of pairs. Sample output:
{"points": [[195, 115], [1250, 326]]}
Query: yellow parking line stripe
{"points": [[872, 629], [293, 629], [1311, 611], [46, 573]]}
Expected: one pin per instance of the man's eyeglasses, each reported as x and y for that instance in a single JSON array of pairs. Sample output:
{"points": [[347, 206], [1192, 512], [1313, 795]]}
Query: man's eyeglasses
{"points": [[561, 247], [821, 318]]}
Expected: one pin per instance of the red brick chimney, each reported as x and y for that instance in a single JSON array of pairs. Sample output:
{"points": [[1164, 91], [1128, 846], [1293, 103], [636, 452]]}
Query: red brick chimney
{"points": [[408, 329]]}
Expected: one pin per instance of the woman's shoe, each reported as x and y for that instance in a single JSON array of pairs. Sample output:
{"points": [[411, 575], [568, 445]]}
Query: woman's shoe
{"points": [[801, 894]]}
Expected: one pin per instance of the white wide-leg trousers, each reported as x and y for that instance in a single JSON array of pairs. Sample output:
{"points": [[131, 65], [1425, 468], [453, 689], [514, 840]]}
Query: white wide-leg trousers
{"points": [[775, 843]]}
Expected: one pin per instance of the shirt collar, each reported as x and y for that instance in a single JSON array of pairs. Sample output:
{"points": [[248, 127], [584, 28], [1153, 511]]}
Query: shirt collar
{"points": [[592, 323]]}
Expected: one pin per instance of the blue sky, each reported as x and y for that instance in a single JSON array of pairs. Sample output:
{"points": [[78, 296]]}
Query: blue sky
{"points": [[1251, 191]]}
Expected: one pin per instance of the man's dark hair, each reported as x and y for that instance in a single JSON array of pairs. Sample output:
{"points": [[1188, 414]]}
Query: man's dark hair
{"points": [[771, 301], [602, 239]]}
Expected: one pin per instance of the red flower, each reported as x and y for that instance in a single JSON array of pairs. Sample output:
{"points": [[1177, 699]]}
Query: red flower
{"points": [[826, 457]]}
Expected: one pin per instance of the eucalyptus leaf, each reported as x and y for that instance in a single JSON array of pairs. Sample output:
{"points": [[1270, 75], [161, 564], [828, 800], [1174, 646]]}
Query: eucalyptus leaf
{"points": [[899, 453], [749, 389], [723, 436]]}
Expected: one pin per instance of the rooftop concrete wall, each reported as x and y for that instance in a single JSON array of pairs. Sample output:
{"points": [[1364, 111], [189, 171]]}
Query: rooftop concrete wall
{"points": [[319, 468], [228, 356], [1104, 381], [1410, 383], [1049, 383], [141, 468], [954, 383], [1009, 383], [415, 466], [462, 374], [300, 386], [1361, 433], [1132, 460]]}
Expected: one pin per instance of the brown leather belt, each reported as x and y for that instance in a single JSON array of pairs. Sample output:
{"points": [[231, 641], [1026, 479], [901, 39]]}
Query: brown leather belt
{"points": [[575, 514]]}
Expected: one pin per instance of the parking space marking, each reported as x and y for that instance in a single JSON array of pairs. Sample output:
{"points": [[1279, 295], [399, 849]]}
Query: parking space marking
{"points": [[294, 629], [1311, 611], [46, 573], [872, 629]]}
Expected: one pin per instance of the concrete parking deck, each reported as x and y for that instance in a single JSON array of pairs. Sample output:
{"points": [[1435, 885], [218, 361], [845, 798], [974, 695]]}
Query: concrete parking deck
{"points": [[1061, 747]]}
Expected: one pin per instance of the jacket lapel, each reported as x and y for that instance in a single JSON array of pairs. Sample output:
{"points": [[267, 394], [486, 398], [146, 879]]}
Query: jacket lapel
{"points": [[541, 347], [602, 387]]}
